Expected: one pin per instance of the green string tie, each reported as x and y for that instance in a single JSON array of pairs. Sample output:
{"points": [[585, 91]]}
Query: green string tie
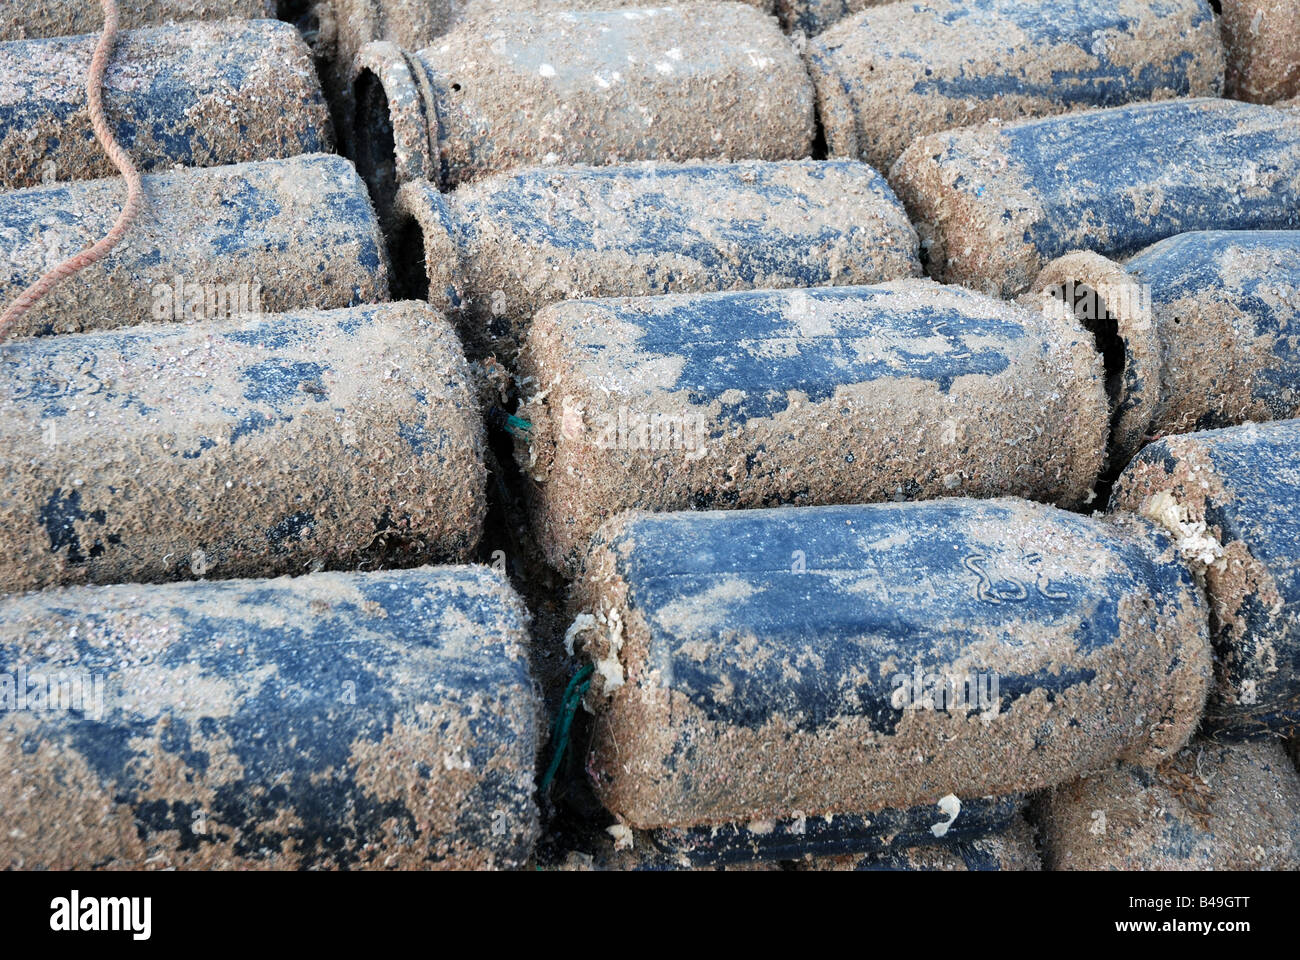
{"points": [[573, 695]]}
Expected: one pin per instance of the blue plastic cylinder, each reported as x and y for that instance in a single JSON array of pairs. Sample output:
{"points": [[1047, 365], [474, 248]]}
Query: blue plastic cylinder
{"points": [[1231, 498], [1199, 330], [754, 663], [899, 71], [498, 250], [239, 448], [300, 232], [993, 203], [68, 18], [332, 721], [193, 95], [906, 390]]}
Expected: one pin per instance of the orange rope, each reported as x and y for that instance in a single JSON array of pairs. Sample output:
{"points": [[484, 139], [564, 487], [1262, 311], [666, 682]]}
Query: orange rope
{"points": [[134, 197]]}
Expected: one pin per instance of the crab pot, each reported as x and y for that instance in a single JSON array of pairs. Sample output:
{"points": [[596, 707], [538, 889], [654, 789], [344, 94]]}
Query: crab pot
{"points": [[1201, 327], [239, 448], [897, 72], [351, 24], [762, 664], [269, 236], [1013, 849], [67, 18], [1230, 496], [195, 95], [332, 721], [1213, 807], [882, 833], [698, 81], [905, 390], [995, 202], [1263, 43], [498, 250]]}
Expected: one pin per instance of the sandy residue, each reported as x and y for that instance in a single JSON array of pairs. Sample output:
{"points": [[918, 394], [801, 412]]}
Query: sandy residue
{"points": [[962, 241], [1216, 352], [982, 222], [240, 448], [64, 18], [1213, 807], [301, 229], [1146, 700], [597, 86], [254, 90], [1035, 429], [890, 64], [839, 221], [347, 25], [1263, 41], [1246, 659], [1134, 392], [424, 765], [192, 764]]}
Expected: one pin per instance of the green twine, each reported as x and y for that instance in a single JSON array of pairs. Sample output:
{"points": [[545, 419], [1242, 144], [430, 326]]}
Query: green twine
{"points": [[519, 427], [573, 695]]}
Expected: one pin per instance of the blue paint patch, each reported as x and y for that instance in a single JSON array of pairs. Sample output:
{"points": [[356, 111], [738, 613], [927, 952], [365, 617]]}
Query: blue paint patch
{"points": [[1109, 166], [882, 583], [277, 382], [721, 338], [655, 221]]}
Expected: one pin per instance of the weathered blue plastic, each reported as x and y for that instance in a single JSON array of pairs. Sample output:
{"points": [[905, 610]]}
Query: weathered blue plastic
{"points": [[1211, 173], [853, 394], [1254, 278], [239, 448], [498, 250], [882, 833], [554, 85], [380, 720], [1199, 330], [899, 71], [196, 94], [1216, 806], [761, 650], [300, 230], [1244, 484], [995, 202]]}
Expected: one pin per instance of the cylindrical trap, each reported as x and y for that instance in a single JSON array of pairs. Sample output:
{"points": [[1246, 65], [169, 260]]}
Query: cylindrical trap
{"points": [[1199, 331], [751, 664], [332, 721], [269, 236], [697, 81], [904, 390], [494, 252], [900, 71], [1229, 497], [995, 202]]}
